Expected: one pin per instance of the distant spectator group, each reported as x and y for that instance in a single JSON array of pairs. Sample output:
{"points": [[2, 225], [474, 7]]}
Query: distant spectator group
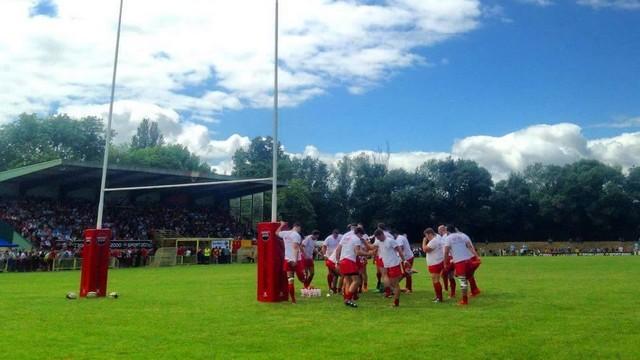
{"points": [[54, 229]]}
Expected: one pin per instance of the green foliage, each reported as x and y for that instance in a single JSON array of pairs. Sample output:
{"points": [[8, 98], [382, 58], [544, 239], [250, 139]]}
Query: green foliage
{"points": [[173, 157], [295, 205], [586, 200], [32, 139], [147, 135]]}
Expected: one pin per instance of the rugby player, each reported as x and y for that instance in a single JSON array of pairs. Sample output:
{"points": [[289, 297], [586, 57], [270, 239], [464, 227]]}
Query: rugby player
{"points": [[292, 256], [308, 250], [328, 248], [458, 245], [448, 279], [348, 250], [433, 246], [392, 259], [408, 256]]}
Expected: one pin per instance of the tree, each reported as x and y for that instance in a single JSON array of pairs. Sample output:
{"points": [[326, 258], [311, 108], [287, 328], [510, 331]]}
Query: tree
{"points": [[147, 135], [174, 157], [32, 139], [295, 205]]}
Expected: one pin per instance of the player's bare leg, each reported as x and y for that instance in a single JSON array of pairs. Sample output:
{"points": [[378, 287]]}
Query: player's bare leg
{"points": [[290, 286], [437, 287], [365, 279], [395, 286], [464, 285]]}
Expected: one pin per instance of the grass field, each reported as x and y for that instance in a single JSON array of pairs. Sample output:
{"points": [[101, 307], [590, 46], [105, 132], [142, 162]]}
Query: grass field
{"points": [[563, 307]]}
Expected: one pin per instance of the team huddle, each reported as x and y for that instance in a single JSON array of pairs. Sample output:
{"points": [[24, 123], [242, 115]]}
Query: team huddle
{"points": [[449, 255]]}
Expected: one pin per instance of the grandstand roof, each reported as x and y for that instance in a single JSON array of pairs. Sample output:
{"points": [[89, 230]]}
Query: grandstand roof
{"points": [[69, 176]]}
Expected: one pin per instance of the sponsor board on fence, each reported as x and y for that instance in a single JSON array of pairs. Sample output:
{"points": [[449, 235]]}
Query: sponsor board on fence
{"points": [[125, 244]]}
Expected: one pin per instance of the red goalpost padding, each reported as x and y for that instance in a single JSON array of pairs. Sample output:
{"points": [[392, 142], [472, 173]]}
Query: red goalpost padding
{"points": [[95, 262], [272, 282]]}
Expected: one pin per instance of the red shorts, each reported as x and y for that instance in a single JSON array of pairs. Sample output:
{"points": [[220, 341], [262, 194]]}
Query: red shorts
{"points": [[287, 266], [463, 268], [348, 267], [330, 265], [436, 268], [308, 263], [475, 263], [394, 272], [378, 261]]}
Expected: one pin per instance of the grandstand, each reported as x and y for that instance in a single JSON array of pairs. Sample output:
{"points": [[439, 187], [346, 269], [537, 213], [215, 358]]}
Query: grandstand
{"points": [[71, 188]]}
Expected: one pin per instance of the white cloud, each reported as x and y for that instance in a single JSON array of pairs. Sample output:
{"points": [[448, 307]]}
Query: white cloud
{"points": [[548, 144], [623, 123], [200, 57], [551, 144], [127, 115], [542, 3], [622, 150], [616, 4]]}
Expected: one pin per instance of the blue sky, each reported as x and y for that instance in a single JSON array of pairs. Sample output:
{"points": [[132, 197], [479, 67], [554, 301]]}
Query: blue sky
{"points": [[560, 63], [504, 83]]}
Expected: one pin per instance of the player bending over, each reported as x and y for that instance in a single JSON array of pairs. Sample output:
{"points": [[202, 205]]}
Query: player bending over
{"points": [[348, 250], [392, 259], [308, 250], [328, 249], [447, 270], [433, 246], [362, 264], [462, 251], [407, 270], [292, 256]]}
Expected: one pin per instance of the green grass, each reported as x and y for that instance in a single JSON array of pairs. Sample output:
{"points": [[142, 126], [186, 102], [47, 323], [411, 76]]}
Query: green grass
{"points": [[530, 308]]}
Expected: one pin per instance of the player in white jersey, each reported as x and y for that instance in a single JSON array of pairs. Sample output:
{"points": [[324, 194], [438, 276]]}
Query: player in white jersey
{"points": [[308, 251], [380, 271], [447, 271], [292, 256], [433, 246], [348, 250], [462, 252], [393, 259], [362, 263], [407, 270], [328, 248]]}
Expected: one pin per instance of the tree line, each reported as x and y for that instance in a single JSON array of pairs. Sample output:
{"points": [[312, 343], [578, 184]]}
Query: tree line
{"points": [[32, 139], [583, 201]]}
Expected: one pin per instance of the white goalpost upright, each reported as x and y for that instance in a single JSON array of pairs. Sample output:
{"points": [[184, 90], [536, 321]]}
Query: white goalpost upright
{"points": [[107, 137], [275, 147]]}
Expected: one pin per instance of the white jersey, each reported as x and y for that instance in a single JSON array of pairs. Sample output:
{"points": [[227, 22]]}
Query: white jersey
{"points": [[457, 244], [387, 252], [331, 243], [436, 256], [349, 244], [308, 245], [290, 238], [332, 257], [406, 247]]}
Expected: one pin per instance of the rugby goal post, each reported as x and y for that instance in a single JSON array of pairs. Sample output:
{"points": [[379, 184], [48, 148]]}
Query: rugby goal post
{"points": [[165, 256]]}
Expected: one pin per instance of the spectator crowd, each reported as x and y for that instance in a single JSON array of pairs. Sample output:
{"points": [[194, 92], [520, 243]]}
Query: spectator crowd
{"points": [[54, 229]]}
